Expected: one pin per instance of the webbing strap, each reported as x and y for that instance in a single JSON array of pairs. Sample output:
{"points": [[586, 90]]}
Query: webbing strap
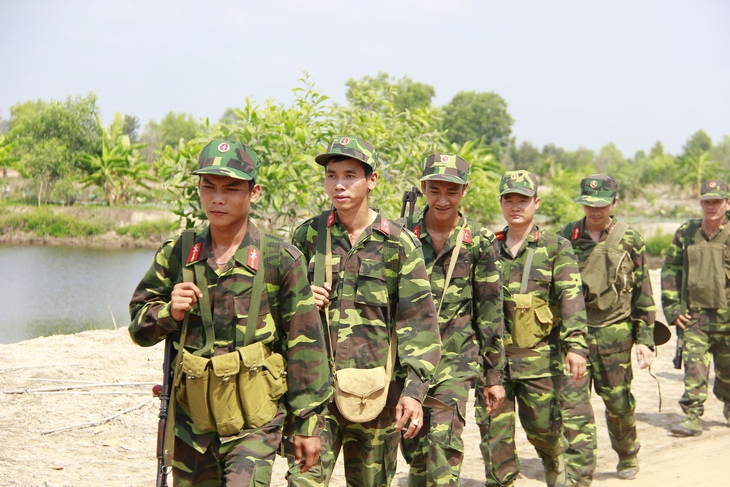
{"points": [[452, 264], [617, 234], [528, 266]]}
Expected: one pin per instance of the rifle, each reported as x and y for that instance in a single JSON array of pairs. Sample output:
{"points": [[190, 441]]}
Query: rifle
{"points": [[677, 360], [409, 199], [163, 392]]}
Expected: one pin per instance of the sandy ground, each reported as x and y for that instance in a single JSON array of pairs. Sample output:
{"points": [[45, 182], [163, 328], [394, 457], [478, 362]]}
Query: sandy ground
{"points": [[38, 449]]}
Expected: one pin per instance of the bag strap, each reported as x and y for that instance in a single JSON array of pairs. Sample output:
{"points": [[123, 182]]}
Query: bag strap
{"points": [[452, 264], [255, 304], [617, 234], [528, 266]]}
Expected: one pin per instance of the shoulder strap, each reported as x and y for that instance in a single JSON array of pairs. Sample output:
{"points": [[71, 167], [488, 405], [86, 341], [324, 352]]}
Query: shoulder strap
{"points": [[528, 266], [617, 234], [452, 264]]}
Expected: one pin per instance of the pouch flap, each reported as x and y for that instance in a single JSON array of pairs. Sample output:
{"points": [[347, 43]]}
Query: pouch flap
{"points": [[226, 365], [276, 365], [544, 315], [193, 365], [522, 301], [254, 355], [361, 382]]}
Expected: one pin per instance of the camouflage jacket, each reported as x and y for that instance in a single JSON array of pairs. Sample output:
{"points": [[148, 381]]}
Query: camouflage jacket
{"points": [[639, 327], [471, 314], [296, 334], [673, 269], [361, 310], [554, 277]]}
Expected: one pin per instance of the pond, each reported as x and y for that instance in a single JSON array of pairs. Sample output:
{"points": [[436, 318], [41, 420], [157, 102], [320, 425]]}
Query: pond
{"points": [[49, 290]]}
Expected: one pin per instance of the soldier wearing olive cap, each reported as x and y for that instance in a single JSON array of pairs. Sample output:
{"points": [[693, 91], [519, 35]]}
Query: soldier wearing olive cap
{"points": [[462, 262], [377, 295], [620, 310], [236, 269], [695, 296], [544, 317]]}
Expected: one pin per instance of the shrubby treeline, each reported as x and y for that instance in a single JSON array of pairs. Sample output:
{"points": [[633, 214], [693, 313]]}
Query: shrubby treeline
{"points": [[65, 152]]}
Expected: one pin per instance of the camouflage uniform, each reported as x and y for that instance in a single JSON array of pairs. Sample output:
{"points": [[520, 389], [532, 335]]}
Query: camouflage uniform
{"points": [[362, 316], [533, 382], [289, 324], [708, 333], [609, 350], [471, 335]]}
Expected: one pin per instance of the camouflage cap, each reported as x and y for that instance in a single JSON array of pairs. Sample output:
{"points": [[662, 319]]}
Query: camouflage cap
{"points": [[597, 190], [228, 158], [445, 167], [520, 182], [349, 146], [713, 189]]}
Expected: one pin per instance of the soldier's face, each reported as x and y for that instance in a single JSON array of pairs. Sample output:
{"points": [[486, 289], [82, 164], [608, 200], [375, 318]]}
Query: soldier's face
{"points": [[443, 198], [226, 201], [598, 217], [713, 210], [518, 209], [346, 184]]}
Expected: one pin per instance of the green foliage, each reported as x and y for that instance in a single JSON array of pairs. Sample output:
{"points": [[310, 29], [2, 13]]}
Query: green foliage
{"points": [[472, 116], [51, 136], [119, 169], [149, 229], [485, 172], [658, 243], [559, 204], [404, 94], [42, 221], [697, 143], [694, 168]]}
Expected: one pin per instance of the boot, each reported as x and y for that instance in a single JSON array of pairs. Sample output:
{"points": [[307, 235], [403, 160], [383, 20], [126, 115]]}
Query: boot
{"points": [[627, 467], [690, 426], [555, 475]]}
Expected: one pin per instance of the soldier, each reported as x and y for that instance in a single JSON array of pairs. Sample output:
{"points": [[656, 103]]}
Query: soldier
{"points": [[544, 313], [377, 303], [695, 294], [620, 310], [462, 262], [285, 346]]}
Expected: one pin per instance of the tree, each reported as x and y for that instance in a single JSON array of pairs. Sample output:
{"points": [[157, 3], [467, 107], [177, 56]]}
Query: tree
{"points": [[131, 127], [526, 156], [119, 169], [699, 142], [169, 131], [472, 116], [51, 137], [404, 94], [694, 168]]}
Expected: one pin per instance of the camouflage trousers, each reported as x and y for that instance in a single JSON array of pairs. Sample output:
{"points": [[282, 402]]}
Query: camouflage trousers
{"points": [[611, 377], [537, 403], [245, 461], [370, 452], [436, 454], [699, 348]]}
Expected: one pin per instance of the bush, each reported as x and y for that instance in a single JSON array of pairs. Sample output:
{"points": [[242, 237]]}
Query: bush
{"points": [[149, 229], [44, 222], [658, 243]]}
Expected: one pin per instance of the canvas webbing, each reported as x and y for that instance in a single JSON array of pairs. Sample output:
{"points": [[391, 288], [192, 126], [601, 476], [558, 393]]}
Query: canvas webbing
{"points": [[452, 264], [528, 266], [617, 234]]}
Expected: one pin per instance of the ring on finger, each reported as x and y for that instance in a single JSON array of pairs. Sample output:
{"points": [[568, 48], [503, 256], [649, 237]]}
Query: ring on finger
{"points": [[415, 422]]}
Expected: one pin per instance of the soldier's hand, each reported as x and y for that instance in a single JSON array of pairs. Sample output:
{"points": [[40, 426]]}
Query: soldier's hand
{"points": [[682, 321], [183, 298], [493, 397], [408, 408], [644, 355], [322, 295], [575, 365], [309, 446]]}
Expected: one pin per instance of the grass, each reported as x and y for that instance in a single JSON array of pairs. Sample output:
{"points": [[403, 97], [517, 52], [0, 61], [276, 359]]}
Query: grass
{"points": [[658, 243], [149, 229], [42, 221]]}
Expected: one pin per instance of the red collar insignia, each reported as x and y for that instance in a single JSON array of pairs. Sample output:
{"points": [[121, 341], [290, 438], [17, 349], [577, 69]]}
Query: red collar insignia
{"points": [[385, 226], [253, 258], [500, 236], [576, 233], [331, 218], [536, 235], [194, 252], [417, 231], [467, 236]]}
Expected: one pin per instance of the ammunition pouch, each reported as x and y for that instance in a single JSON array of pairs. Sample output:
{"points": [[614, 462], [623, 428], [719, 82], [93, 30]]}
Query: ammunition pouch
{"points": [[361, 394], [233, 391], [533, 321], [608, 283]]}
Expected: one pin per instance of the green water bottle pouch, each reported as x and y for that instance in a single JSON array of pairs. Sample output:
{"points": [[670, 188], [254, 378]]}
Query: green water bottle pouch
{"points": [[533, 321]]}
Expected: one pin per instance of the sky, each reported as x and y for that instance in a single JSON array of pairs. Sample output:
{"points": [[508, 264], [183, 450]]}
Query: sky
{"points": [[577, 74]]}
